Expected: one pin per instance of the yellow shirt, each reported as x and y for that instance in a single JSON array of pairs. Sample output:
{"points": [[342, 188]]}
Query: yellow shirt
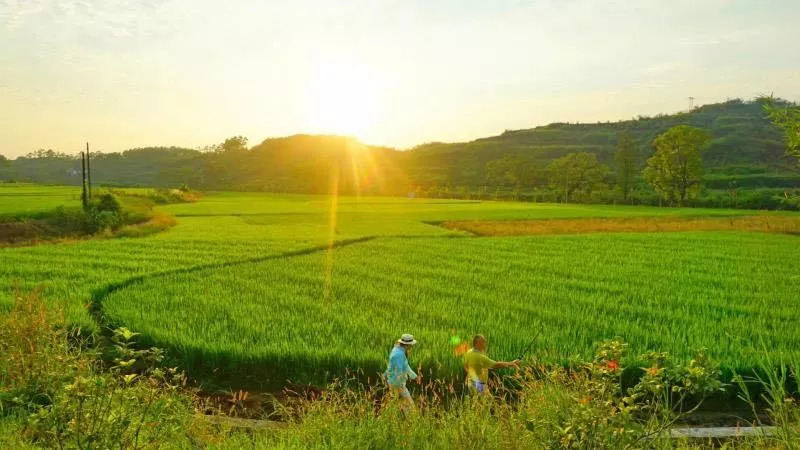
{"points": [[477, 365]]}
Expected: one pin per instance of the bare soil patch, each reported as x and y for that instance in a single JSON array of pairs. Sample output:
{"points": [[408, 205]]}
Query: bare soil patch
{"points": [[14, 233], [762, 223]]}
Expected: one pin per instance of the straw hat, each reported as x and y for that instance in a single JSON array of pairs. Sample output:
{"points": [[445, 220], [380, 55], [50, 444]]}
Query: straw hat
{"points": [[407, 339]]}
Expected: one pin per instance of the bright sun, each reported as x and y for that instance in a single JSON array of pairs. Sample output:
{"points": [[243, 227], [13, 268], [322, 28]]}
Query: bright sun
{"points": [[342, 98]]}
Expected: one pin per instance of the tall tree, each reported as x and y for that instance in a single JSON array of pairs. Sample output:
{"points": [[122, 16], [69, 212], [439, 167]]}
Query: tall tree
{"points": [[5, 165], [225, 164], [625, 159], [675, 170], [786, 117], [576, 173], [232, 144], [517, 170]]}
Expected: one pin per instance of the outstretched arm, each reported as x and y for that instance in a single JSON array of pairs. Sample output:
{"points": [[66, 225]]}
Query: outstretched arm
{"points": [[504, 364]]}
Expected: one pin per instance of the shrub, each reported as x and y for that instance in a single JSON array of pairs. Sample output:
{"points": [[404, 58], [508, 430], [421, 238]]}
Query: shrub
{"points": [[69, 221], [164, 196], [136, 405], [108, 203], [76, 221]]}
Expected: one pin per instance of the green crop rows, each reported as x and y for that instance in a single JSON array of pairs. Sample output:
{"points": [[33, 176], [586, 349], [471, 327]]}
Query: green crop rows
{"points": [[26, 199], [246, 283], [682, 291]]}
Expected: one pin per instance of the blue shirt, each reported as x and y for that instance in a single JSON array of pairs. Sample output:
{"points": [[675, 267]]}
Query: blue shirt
{"points": [[398, 370]]}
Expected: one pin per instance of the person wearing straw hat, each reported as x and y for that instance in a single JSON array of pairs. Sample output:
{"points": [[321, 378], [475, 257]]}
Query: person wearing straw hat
{"points": [[398, 371]]}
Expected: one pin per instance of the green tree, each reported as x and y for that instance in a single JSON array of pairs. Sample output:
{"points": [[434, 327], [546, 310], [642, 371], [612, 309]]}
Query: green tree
{"points": [[5, 168], [625, 159], [48, 154], [232, 144], [517, 170], [675, 170], [226, 164], [576, 173], [786, 117]]}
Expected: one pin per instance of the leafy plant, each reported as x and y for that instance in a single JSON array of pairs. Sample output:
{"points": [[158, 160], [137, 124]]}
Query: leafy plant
{"points": [[675, 169], [136, 405]]}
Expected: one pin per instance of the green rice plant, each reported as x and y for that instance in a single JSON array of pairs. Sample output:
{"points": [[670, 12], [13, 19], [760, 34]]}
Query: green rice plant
{"points": [[255, 281], [26, 200], [308, 317]]}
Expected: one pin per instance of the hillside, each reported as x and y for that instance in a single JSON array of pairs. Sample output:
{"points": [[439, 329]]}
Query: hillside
{"points": [[744, 142], [746, 149]]}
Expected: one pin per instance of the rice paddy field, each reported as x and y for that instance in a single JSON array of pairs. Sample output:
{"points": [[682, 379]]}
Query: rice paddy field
{"points": [[271, 287], [22, 200], [18, 199]]}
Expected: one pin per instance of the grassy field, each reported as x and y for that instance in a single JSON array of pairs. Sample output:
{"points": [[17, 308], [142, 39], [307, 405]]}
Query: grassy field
{"points": [[20, 199], [257, 282], [309, 313], [27, 200]]}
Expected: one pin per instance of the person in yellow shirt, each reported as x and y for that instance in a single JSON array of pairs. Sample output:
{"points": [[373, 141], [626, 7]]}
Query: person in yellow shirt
{"points": [[477, 364]]}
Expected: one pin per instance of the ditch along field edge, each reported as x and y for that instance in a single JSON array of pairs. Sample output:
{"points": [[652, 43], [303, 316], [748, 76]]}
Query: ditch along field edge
{"points": [[99, 294], [758, 223], [106, 326]]}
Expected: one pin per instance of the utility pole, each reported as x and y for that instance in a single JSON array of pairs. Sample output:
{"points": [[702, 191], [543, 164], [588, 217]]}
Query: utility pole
{"points": [[691, 103], [84, 198], [89, 170]]}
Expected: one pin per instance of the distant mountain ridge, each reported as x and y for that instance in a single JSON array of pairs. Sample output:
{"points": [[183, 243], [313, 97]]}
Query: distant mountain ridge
{"points": [[745, 146]]}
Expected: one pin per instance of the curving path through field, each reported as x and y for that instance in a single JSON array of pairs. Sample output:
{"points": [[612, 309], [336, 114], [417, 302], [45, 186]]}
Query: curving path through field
{"points": [[272, 319]]}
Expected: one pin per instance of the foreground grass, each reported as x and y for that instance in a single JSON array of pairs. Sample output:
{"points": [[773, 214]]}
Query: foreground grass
{"points": [[55, 394]]}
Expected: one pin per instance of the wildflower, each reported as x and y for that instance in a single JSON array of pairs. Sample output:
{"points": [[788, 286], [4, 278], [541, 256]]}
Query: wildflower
{"points": [[584, 401], [653, 371], [612, 365]]}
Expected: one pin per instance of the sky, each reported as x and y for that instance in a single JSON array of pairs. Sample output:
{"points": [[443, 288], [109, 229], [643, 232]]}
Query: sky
{"points": [[124, 74]]}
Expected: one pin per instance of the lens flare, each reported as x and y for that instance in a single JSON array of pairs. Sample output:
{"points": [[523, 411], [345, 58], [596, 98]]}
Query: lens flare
{"points": [[334, 203], [459, 347]]}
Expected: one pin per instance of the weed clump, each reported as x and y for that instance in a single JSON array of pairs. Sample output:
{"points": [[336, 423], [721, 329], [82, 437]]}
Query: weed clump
{"points": [[56, 392]]}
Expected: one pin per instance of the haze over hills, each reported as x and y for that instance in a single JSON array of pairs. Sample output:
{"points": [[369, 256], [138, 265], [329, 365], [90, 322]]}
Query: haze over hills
{"points": [[746, 147]]}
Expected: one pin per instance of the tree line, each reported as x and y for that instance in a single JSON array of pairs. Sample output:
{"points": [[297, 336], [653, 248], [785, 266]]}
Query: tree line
{"points": [[674, 171], [727, 154]]}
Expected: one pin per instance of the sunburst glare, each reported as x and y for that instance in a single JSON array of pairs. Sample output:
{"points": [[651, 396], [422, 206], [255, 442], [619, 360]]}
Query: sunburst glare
{"points": [[342, 98]]}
